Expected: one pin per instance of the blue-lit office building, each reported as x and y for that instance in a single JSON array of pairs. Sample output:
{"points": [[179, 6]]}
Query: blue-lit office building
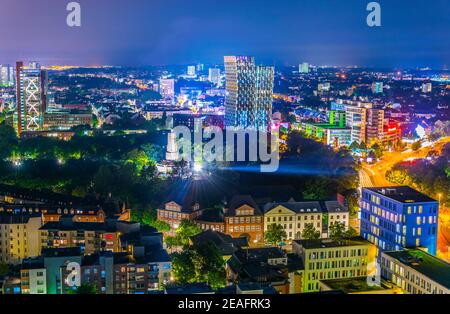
{"points": [[249, 93], [399, 217]]}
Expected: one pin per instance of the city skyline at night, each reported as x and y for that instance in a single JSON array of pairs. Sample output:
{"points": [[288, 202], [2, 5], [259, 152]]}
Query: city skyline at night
{"points": [[247, 151]]}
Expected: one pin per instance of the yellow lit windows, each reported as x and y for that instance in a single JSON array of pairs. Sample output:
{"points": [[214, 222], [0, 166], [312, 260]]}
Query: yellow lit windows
{"points": [[409, 210], [419, 231]]}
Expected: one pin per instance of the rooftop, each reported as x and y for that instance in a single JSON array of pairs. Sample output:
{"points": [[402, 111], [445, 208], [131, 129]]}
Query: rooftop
{"points": [[211, 215], [297, 207], [187, 193], [335, 207], [430, 266], [328, 126], [73, 225], [329, 243], [403, 194], [352, 285], [61, 252], [193, 288], [241, 200], [225, 243], [12, 219]]}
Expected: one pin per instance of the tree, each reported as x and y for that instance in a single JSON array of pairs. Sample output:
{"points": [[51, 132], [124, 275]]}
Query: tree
{"points": [[137, 158], [354, 145], [291, 119], [199, 264], [172, 242], [184, 232], [86, 288], [317, 188], [183, 267], [350, 233], [4, 269], [8, 140], [377, 150], [397, 175], [275, 234], [210, 265], [337, 231], [363, 146], [161, 226], [310, 233], [154, 152], [434, 137], [416, 146]]}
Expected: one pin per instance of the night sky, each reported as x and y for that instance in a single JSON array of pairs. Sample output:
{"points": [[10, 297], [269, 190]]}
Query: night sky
{"points": [[415, 33]]}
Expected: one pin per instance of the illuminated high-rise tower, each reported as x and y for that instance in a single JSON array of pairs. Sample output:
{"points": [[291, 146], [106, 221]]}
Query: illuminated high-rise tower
{"points": [[214, 76], [167, 88], [304, 68], [249, 92], [31, 97], [6, 75]]}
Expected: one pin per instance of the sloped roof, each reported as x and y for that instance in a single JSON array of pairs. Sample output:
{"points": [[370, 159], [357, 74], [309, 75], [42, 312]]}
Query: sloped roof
{"points": [[297, 207], [240, 200]]}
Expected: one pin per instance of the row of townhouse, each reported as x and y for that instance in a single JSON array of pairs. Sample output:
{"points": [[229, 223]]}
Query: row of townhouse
{"points": [[242, 216]]}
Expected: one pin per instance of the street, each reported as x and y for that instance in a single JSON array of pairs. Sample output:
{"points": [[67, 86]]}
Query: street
{"points": [[374, 175]]}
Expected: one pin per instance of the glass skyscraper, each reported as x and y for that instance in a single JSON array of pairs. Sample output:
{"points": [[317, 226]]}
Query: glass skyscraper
{"points": [[249, 92]]}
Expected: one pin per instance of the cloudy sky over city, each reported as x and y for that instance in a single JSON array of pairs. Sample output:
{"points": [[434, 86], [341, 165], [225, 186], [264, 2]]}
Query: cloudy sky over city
{"points": [[155, 32]]}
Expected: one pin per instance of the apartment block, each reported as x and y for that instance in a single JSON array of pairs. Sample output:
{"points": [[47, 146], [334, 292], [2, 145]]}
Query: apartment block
{"points": [[416, 272], [326, 259], [19, 237]]}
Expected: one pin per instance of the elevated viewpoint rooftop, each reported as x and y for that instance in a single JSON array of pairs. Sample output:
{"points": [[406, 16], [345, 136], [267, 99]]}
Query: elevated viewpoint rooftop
{"points": [[403, 194]]}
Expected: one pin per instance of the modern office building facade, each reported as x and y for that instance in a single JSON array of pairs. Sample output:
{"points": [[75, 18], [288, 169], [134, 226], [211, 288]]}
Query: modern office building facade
{"points": [[416, 272], [332, 135], [394, 218], [335, 133], [249, 93], [375, 126], [366, 123], [66, 120], [326, 259]]}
